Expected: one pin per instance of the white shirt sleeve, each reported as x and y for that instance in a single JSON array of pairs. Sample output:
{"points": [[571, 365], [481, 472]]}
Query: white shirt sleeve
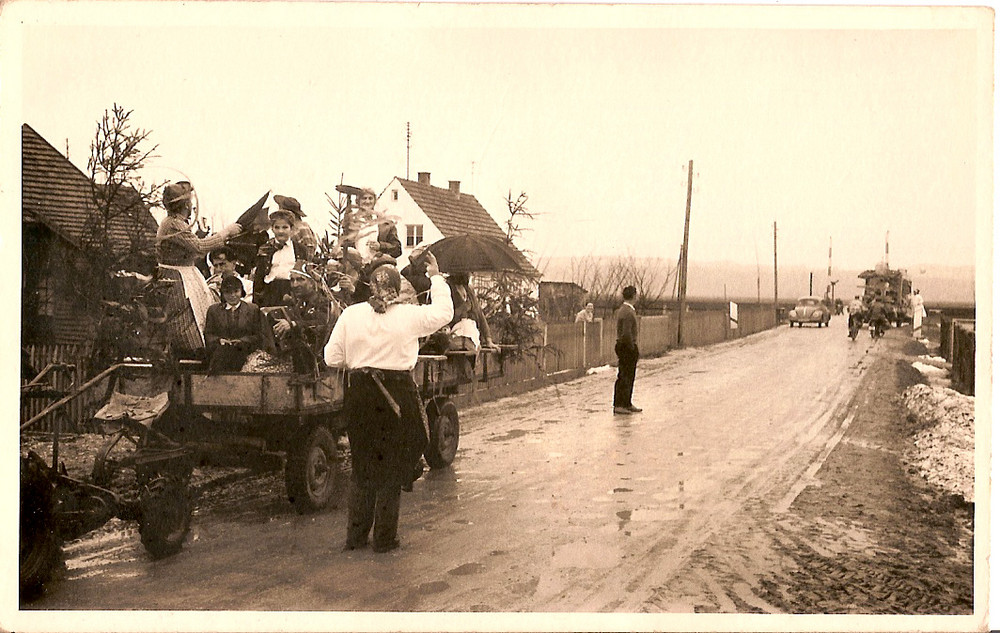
{"points": [[333, 353], [436, 315]]}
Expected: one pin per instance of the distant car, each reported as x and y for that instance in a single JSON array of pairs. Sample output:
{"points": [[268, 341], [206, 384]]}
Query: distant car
{"points": [[809, 310]]}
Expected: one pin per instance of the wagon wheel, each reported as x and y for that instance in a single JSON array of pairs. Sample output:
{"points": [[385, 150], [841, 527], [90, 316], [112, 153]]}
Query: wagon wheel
{"points": [[165, 519], [39, 546], [106, 467], [312, 470], [442, 417]]}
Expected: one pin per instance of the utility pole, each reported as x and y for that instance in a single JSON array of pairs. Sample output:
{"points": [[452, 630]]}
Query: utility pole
{"points": [[829, 261], [776, 272], [682, 287], [810, 283], [407, 150]]}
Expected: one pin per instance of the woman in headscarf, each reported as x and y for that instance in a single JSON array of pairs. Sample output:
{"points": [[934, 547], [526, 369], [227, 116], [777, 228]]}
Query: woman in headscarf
{"points": [[377, 341], [177, 250]]}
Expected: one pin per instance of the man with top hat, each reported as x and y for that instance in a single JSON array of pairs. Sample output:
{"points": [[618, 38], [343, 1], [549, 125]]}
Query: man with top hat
{"points": [[377, 341], [177, 250], [304, 327]]}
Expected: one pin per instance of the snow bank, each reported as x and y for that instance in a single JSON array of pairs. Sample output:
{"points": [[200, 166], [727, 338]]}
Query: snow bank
{"points": [[944, 453]]}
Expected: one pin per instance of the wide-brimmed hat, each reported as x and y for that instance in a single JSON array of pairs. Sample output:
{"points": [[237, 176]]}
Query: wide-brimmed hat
{"points": [[176, 192], [290, 204]]}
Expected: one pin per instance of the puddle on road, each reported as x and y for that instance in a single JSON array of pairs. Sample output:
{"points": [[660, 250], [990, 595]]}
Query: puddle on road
{"points": [[432, 587], [468, 569], [511, 435]]}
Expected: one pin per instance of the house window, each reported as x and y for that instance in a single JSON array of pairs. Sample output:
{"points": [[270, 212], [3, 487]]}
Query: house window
{"points": [[414, 234], [395, 194]]}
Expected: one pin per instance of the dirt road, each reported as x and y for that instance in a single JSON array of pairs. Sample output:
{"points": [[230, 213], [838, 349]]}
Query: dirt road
{"points": [[766, 475]]}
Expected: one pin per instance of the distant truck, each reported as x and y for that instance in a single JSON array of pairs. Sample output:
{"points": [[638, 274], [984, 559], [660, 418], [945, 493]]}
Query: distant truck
{"points": [[892, 287]]}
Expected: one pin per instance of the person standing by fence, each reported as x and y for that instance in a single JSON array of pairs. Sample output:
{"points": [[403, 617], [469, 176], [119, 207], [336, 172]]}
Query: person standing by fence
{"points": [[627, 350]]}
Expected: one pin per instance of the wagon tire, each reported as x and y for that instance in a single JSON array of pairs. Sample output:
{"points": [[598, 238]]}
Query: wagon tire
{"points": [[165, 516], [40, 551], [442, 418], [312, 470]]}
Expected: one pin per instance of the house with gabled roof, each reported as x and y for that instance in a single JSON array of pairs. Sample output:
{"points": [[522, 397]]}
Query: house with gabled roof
{"points": [[427, 213], [56, 202]]}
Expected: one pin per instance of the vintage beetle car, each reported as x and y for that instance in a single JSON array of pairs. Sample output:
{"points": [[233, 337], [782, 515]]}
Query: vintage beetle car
{"points": [[809, 310]]}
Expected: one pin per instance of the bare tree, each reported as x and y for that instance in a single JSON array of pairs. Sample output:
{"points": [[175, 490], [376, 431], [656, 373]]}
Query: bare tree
{"points": [[508, 303], [604, 277], [118, 228]]}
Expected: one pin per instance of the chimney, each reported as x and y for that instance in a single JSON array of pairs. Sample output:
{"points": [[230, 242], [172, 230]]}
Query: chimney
{"points": [[424, 177], [453, 186]]}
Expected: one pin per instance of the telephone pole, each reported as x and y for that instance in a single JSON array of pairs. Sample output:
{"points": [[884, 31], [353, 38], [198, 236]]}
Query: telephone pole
{"points": [[407, 150], [776, 272], [682, 284]]}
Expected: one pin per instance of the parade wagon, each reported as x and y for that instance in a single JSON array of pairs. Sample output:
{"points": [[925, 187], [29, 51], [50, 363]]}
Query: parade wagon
{"points": [[162, 421]]}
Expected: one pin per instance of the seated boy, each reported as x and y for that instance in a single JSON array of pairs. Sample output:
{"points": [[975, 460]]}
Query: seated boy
{"points": [[233, 328]]}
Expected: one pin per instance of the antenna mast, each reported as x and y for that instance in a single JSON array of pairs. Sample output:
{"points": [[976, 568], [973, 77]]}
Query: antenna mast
{"points": [[407, 150]]}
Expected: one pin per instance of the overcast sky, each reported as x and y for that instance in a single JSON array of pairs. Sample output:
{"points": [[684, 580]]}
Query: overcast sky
{"points": [[843, 125]]}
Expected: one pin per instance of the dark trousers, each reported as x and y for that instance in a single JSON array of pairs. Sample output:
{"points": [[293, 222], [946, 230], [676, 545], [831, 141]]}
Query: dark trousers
{"points": [[370, 505], [628, 358]]}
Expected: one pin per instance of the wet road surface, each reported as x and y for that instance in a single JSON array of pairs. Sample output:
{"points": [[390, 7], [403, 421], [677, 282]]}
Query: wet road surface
{"points": [[553, 503]]}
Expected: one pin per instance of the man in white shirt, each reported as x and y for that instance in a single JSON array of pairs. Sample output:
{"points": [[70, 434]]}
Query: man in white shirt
{"points": [[377, 341]]}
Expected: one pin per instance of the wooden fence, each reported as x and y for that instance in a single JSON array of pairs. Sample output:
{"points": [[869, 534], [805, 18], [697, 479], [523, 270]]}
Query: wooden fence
{"points": [[80, 410], [572, 348], [567, 351]]}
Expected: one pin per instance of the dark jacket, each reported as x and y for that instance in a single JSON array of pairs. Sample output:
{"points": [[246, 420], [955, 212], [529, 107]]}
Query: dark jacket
{"points": [[263, 267], [627, 326], [244, 324], [312, 321]]}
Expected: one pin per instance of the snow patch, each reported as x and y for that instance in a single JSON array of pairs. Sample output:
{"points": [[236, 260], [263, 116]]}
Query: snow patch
{"points": [[944, 453], [597, 370], [929, 370]]}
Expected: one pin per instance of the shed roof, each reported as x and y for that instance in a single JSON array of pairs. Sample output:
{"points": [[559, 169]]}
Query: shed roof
{"points": [[57, 194], [458, 214]]}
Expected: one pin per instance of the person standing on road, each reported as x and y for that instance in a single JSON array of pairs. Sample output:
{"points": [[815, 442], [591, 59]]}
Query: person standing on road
{"points": [[917, 303], [627, 349], [378, 341]]}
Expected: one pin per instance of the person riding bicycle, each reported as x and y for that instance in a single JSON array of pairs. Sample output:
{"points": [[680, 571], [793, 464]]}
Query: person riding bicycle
{"points": [[877, 316], [855, 312]]}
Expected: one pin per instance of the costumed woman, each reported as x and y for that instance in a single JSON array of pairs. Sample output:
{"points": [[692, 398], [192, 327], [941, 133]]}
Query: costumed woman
{"points": [[177, 250]]}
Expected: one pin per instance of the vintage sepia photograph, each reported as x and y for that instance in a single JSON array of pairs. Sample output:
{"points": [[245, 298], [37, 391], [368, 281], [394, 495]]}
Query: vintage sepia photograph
{"points": [[510, 317]]}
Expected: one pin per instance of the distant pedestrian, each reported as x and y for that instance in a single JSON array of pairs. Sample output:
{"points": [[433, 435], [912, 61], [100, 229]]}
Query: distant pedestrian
{"points": [[627, 349], [586, 315], [917, 305], [378, 341]]}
